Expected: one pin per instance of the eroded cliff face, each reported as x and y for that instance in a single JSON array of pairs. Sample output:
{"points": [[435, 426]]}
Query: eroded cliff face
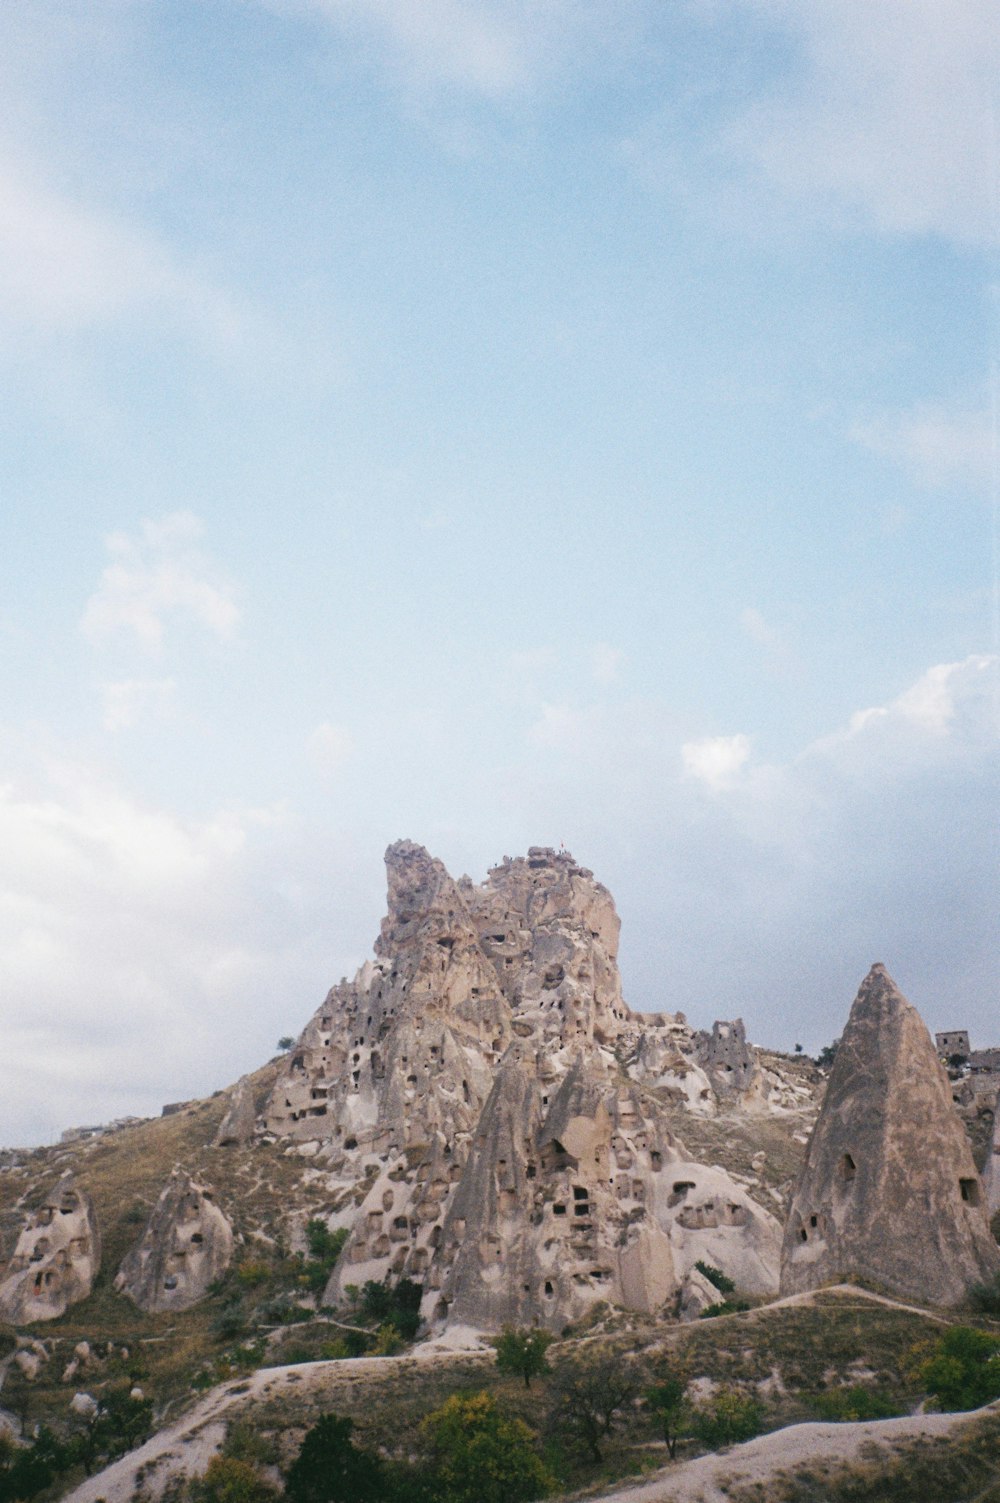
{"points": [[889, 1190], [187, 1245], [991, 1169], [479, 1092], [56, 1258]]}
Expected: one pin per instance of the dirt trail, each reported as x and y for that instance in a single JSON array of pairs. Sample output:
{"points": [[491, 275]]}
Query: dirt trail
{"points": [[187, 1446], [711, 1478]]}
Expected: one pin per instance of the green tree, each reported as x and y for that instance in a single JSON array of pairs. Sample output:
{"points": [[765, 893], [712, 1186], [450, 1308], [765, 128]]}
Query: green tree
{"points": [[589, 1398], [330, 1468], [963, 1370], [522, 1352], [478, 1455], [728, 1417], [667, 1402]]}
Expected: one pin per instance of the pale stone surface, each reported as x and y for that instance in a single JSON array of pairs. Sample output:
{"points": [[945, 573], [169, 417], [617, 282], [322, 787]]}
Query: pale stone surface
{"points": [[991, 1170], [187, 1245], [55, 1260], [889, 1190], [466, 1092], [236, 1129]]}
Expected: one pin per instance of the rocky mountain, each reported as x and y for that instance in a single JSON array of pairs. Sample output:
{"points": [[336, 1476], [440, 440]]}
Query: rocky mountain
{"points": [[480, 1112]]}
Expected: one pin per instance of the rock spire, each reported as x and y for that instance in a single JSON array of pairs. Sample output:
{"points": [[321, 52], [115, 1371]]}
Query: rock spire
{"points": [[56, 1258], [889, 1190]]}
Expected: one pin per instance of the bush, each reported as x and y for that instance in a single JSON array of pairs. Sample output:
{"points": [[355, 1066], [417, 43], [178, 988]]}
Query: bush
{"points": [[230, 1480], [963, 1370], [855, 1402], [724, 1307], [729, 1417], [667, 1403], [722, 1281], [395, 1304], [986, 1297]]}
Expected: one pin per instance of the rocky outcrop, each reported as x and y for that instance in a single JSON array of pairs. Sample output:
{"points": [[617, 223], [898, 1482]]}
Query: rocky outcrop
{"points": [[55, 1260], [237, 1127], [466, 1094], [726, 1056], [187, 1245], [991, 1169], [889, 1190]]}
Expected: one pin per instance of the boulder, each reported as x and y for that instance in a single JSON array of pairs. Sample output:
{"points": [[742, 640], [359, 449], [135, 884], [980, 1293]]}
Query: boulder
{"points": [[55, 1260], [889, 1191], [187, 1245]]}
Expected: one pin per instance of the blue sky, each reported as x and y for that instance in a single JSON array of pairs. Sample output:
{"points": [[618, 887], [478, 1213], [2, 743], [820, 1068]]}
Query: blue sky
{"points": [[490, 423]]}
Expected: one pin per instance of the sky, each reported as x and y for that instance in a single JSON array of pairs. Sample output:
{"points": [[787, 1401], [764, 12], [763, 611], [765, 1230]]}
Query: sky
{"points": [[490, 423]]}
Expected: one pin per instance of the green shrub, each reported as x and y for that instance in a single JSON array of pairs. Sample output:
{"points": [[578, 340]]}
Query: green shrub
{"points": [[477, 1455], [724, 1307], [856, 1401], [522, 1352], [986, 1297], [728, 1417], [722, 1281], [963, 1370]]}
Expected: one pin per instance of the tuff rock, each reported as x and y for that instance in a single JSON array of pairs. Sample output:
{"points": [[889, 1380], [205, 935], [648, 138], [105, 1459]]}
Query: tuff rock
{"points": [[482, 1095], [187, 1245], [55, 1260], [991, 1169], [236, 1129], [889, 1190]]}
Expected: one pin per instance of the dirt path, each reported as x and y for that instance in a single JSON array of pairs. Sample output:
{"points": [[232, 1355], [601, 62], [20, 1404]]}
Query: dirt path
{"points": [[187, 1446], [710, 1479]]}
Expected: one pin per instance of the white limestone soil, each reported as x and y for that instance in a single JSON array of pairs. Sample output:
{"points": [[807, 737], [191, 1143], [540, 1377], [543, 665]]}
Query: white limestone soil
{"points": [[186, 1448], [711, 1479]]}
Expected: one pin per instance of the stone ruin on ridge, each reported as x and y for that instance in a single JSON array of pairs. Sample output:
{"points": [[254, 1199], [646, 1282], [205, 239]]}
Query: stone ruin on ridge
{"points": [[889, 1190]]}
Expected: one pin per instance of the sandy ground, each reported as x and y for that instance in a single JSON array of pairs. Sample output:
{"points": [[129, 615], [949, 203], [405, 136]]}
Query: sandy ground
{"points": [[711, 1478]]}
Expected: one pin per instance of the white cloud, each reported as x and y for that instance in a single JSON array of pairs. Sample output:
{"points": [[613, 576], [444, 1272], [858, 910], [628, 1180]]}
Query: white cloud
{"points": [[127, 702], [605, 663], [716, 761], [937, 444], [492, 49], [159, 577], [65, 266], [329, 747], [890, 111], [145, 957]]}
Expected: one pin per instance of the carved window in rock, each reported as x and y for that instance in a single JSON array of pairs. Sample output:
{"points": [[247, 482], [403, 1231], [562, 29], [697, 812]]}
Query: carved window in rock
{"points": [[969, 1190], [848, 1169]]}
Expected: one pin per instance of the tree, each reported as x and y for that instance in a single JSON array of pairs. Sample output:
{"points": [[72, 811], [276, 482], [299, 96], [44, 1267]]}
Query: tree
{"points": [[667, 1401], [285, 1043], [522, 1352], [589, 1400], [963, 1370], [827, 1055], [330, 1468], [478, 1455], [728, 1417]]}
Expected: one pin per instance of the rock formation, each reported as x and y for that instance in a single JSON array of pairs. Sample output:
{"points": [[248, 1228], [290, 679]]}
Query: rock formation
{"points": [[991, 1169], [187, 1245], [726, 1056], [55, 1260], [889, 1190], [493, 1112], [236, 1129]]}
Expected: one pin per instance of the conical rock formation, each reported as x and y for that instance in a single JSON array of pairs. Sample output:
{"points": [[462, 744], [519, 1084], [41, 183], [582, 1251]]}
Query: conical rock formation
{"points": [[187, 1245], [889, 1190], [56, 1258], [236, 1129]]}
